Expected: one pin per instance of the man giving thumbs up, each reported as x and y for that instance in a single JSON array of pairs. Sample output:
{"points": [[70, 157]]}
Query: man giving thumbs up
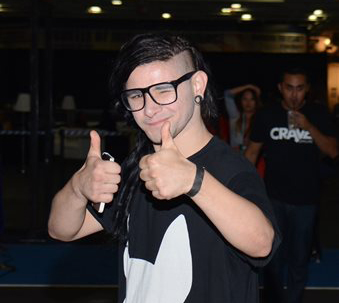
{"points": [[191, 214]]}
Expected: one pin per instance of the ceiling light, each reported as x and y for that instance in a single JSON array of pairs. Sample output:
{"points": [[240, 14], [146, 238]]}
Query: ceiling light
{"points": [[318, 12], [116, 2], [94, 10], [312, 18], [226, 10], [246, 17], [323, 44], [236, 5], [166, 16], [327, 41]]}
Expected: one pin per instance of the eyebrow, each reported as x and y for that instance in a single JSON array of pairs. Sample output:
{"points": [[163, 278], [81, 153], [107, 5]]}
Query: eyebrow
{"points": [[295, 86]]}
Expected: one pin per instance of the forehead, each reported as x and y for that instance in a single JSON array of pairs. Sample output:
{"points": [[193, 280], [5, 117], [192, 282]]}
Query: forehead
{"points": [[159, 71], [248, 94], [294, 79]]}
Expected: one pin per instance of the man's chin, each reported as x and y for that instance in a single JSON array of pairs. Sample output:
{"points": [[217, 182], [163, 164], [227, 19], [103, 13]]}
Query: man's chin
{"points": [[154, 138]]}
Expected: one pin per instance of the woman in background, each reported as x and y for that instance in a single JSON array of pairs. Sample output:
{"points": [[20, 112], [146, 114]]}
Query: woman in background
{"points": [[241, 103]]}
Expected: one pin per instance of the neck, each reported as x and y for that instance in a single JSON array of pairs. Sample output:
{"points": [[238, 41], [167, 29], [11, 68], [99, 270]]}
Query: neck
{"points": [[248, 115], [191, 143], [191, 139], [285, 106]]}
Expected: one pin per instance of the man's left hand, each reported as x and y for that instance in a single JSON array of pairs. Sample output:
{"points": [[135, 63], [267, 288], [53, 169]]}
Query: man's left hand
{"points": [[301, 121], [167, 173]]}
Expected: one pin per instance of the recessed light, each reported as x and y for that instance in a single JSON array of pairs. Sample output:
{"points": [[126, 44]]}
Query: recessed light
{"points": [[246, 17], [226, 10], [236, 5], [327, 41], [94, 10], [312, 18], [166, 16], [116, 2], [318, 12]]}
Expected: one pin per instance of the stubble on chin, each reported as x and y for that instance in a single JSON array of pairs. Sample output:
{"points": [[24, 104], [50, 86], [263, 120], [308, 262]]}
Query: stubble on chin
{"points": [[154, 138]]}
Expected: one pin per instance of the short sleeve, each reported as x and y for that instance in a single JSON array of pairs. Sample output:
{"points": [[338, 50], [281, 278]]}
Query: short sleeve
{"points": [[106, 217]]}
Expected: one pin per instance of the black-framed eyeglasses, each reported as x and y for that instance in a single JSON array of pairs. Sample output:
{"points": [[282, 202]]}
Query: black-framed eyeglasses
{"points": [[163, 93]]}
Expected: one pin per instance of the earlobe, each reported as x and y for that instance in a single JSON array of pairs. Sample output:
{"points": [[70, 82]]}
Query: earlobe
{"points": [[198, 99], [200, 79]]}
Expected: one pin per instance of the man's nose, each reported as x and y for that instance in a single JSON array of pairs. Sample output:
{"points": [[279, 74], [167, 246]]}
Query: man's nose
{"points": [[294, 93], [151, 107]]}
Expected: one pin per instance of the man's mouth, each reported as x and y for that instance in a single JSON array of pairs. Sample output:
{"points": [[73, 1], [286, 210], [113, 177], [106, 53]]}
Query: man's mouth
{"points": [[156, 123]]}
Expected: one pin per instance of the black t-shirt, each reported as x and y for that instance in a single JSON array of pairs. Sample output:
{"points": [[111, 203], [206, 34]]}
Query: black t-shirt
{"points": [[292, 157], [175, 254]]}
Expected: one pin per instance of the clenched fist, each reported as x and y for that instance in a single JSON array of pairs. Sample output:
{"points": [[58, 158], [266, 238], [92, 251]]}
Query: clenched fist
{"points": [[167, 173], [97, 180]]}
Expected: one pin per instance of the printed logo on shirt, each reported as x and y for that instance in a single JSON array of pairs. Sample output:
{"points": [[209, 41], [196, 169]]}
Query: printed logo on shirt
{"points": [[169, 279], [298, 135]]}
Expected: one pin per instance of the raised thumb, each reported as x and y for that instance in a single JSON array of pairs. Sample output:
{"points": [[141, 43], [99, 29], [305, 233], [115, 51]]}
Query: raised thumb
{"points": [[95, 147], [166, 136]]}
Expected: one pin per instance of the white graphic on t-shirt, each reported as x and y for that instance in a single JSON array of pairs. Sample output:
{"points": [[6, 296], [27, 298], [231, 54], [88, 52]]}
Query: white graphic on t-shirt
{"points": [[283, 133], [169, 279]]}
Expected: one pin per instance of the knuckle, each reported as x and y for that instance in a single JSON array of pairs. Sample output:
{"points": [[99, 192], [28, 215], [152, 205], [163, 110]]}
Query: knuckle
{"points": [[151, 160], [94, 198], [118, 168], [141, 175], [148, 185], [159, 185], [109, 198], [152, 173]]}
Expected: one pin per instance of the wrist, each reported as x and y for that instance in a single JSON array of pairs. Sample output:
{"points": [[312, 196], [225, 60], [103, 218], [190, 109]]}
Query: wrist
{"points": [[309, 127], [74, 187], [198, 179]]}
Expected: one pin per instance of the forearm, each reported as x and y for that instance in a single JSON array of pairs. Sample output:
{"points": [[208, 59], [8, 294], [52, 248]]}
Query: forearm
{"points": [[251, 155], [240, 221], [326, 144], [232, 110], [239, 89]]}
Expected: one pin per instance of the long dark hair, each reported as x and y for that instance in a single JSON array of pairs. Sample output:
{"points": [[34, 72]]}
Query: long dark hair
{"points": [[143, 49], [238, 103]]}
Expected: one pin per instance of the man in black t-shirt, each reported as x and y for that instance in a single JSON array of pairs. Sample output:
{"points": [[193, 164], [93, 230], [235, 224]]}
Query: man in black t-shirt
{"points": [[293, 133], [192, 215]]}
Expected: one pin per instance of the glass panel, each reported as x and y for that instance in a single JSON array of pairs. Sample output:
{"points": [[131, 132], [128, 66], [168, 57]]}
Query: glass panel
{"points": [[134, 98], [164, 93]]}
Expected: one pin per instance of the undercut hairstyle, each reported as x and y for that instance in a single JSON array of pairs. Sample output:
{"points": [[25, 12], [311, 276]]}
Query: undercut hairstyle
{"points": [[143, 49]]}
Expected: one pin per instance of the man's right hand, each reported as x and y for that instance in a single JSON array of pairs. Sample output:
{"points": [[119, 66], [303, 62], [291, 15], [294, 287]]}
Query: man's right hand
{"points": [[97, 180]]}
